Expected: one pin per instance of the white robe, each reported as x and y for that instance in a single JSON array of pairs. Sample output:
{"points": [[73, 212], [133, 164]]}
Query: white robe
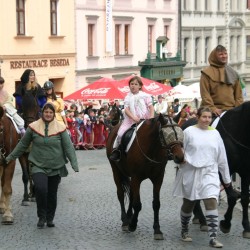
{"points": [[205, 155]]}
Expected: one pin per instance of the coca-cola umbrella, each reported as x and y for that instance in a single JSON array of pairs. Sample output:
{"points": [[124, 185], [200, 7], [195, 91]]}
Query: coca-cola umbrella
{"points": [[104, 88], [149, 86]]}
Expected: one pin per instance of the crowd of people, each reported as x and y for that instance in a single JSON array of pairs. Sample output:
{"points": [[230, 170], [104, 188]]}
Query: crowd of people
{"points": [[196, 180]]}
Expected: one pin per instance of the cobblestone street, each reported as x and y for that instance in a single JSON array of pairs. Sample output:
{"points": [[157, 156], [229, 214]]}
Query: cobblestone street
{"points": [[88, 215]]}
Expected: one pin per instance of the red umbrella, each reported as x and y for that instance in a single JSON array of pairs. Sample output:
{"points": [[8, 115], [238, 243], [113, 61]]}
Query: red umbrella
{"points": [[104, 88], [149, 86]]}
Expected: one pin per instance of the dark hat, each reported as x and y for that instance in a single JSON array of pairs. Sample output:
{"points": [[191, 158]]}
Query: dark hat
{"points": [[25, 76], [160, 96]]}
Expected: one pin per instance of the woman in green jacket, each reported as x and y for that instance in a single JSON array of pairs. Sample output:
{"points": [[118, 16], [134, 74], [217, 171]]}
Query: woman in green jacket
{"points": [[51, 149]]}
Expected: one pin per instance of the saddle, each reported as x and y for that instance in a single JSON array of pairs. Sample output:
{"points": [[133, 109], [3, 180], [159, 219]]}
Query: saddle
{"points": [[127, 136], [15, 125]]}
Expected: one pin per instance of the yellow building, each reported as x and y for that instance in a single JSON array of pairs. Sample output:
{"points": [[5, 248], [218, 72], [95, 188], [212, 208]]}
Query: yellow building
{"points": [[39, 35]]}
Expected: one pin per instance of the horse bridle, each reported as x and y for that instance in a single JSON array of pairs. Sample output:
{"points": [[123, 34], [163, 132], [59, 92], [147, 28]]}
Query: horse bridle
{"points": [[173, 144], [120, 114], [169, 146]]}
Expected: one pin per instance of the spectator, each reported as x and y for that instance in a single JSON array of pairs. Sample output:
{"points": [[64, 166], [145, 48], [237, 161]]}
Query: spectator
{"points": [[161, 106]]}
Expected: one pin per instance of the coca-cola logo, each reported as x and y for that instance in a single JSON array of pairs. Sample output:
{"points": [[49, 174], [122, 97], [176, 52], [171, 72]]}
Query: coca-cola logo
{"points": [[152, 86], [100, 91], [124, 89]]}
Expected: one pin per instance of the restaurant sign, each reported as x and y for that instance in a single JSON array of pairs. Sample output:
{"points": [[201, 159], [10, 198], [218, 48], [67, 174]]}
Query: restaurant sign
{"points": [[23, 64]]}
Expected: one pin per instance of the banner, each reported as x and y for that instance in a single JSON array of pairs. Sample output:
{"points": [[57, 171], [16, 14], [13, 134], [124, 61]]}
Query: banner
{"points": [[109, 26]]}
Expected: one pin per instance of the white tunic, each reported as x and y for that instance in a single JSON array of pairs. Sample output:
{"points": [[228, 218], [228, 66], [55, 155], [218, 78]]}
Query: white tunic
{"points": [[205, 155]]}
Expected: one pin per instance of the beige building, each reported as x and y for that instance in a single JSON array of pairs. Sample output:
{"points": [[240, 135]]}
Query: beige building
{"points": [[112, 36], [39, 35]]}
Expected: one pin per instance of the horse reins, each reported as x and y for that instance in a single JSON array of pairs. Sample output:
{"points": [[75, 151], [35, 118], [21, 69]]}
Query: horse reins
{"points": [[169, 146]]}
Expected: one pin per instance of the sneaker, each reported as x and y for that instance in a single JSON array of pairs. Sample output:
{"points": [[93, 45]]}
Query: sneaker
{"points": [[186, 237], [215, 243]]}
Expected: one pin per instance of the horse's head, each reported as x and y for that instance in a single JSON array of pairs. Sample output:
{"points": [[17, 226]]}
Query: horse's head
{"points": [[30, 107], [173, 138], [114, 115]]}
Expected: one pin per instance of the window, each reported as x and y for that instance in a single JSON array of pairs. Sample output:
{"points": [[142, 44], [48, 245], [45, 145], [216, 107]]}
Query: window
{"points": [[150, 38], [90, 39], [91, 35], [122, 34], [53, 17], [238, 54], [196, 52], [231, 47], [248, 46], [117, 39], [219, 40], [206, 48], [185, 49], [122, 39], [184, 5], [195, 5], [166, 30], [206, 5], [126, 34], [20, 16]]}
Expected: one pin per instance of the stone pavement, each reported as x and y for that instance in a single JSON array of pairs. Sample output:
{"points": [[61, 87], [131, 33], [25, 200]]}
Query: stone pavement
{"points": [[88, 215]]}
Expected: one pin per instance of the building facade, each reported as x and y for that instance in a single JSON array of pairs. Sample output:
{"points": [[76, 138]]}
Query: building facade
{"points": [[112, 36], [39, 35], [207, 23]]}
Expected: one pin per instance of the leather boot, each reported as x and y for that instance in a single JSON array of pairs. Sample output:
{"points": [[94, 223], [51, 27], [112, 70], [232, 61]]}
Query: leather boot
{"points": [[115, 155], [41, 222], [50, 223]]}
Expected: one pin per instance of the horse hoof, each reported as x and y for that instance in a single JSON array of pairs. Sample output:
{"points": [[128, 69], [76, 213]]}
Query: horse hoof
{"points": [[33, 199], [246, 234], [131, 229], [204, 228], [125, 228], [25, 203], [7, 220], [223, 227], [158, 237]]}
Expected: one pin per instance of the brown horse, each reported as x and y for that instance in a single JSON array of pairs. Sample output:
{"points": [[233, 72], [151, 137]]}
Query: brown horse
{"points": [[31, 110], [8, 140], [157, 140]]}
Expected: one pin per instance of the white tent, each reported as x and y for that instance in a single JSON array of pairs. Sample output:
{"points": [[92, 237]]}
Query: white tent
{"points": [[195, 87], [182, 92]]}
